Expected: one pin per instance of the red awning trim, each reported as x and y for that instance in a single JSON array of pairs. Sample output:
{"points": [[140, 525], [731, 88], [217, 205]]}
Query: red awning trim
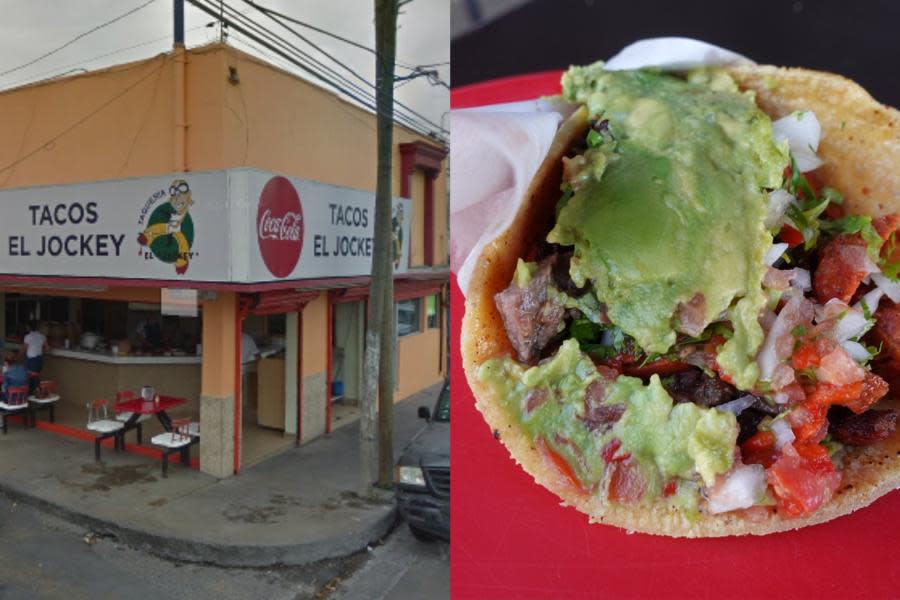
{"points": [[442, 274]]}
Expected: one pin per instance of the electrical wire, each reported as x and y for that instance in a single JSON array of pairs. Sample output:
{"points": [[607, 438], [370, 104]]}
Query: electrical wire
{"points": [[336, 36], [54, 73], [303, 60], [76, 38], [48, 143], [269, 13], [342, 81]]}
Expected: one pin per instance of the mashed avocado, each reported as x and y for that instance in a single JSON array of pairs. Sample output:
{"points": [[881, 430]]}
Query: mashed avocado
{"points": [[679, 208], [667, 441]]}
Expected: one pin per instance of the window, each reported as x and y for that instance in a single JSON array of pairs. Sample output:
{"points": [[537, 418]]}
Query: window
{"points": [[432, 306], [409, 317]]}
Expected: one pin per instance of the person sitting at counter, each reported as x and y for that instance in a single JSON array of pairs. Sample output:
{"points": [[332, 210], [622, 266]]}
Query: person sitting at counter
{"points": [[14, 373], [149, 333], [35, 344]]}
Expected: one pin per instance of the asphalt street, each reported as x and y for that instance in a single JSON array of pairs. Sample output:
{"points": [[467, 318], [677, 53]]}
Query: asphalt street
{"points": [[402, 569], [43, 557]]}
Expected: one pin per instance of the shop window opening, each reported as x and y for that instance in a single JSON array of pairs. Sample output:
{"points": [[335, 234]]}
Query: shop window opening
{"points": [[409, 317]]}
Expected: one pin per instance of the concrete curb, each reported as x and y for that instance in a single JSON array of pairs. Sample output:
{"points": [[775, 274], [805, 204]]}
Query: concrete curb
{"points": [[223, 555]]}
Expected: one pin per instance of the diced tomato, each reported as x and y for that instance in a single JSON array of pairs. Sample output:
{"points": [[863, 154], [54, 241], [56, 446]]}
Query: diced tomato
{"points": [[670, 488], [790, 236], [885, 225], [662, 366], [873, 389], [626, 482], [805, 356], [816, 457], [842, 267], [761, 440], [759, 449], [610, 449], [802, 483], [810, 421], [561, 464], [827, 394], [636, 367]]}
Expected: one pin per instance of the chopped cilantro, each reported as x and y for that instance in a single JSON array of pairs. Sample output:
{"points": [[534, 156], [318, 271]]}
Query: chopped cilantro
{"points": [[862, 225], [809, 373], [594, 139], [798, 331]]}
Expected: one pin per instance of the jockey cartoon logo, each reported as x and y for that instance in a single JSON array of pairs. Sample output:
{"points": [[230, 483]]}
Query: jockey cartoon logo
{"points": [[170, 230]]}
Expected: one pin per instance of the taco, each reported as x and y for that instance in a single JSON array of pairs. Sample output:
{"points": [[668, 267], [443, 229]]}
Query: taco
{"points": [[690, 328]]}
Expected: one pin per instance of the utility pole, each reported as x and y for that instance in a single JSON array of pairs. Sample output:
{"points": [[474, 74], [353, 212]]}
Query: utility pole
{"points": [[379, 355]]}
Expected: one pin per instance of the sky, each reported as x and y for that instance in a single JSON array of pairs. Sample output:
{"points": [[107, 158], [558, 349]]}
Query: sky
{"points": [[33, 28]]}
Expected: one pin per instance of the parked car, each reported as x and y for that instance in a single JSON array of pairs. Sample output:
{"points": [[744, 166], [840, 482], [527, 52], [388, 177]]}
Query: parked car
{"points": [[423, 474]]}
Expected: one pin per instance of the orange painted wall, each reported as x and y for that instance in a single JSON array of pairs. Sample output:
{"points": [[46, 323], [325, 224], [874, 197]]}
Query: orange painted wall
{"points": [[219, 350], [315, 336], [419, 360]]}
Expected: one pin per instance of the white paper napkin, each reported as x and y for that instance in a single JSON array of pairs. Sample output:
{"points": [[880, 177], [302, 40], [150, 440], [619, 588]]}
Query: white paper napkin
{"points": [[495, 150]]}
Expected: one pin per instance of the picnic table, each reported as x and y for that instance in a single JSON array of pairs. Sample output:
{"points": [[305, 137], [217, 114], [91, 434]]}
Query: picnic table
{"points": [[158, 407]]}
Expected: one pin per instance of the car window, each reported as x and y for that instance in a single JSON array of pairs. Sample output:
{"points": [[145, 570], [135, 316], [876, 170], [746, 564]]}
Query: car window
{"points": [[442, 408]]}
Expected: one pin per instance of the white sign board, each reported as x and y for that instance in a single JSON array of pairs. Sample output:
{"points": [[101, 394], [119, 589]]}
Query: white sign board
{"points": [[235, 226]]}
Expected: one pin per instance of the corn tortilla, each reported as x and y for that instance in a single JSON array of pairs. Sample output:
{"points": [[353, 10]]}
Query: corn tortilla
{"points": [[861, 149]]}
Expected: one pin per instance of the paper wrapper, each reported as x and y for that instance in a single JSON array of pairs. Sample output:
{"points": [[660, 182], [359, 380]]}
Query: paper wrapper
{"points": [[497, 149]]}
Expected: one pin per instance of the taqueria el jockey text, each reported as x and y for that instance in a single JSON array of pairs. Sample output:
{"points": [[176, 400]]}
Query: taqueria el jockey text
{"points": [[53, 234]]}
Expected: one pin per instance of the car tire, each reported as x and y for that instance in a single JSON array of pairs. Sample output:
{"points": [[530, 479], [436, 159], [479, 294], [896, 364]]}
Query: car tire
{"points": [[421, 534]]}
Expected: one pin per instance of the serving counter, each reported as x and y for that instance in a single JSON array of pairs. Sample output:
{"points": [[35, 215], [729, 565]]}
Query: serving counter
{"points": [[84, 375]]}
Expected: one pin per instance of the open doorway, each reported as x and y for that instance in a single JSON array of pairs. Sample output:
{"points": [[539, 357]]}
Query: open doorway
{"points": [[263, 396], [348, 348]]}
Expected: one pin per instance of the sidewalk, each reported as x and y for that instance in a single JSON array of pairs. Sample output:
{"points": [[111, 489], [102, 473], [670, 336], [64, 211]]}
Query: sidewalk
{"points": [[294, 508]]}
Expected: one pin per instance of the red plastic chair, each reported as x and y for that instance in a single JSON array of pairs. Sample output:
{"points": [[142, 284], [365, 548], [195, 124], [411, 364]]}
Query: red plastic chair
{"points": [[15, 403], [45, 397]]}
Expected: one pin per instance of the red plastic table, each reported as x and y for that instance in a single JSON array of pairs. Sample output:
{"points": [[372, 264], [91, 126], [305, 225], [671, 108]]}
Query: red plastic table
{"points": [[511, 539], [139, 407]]}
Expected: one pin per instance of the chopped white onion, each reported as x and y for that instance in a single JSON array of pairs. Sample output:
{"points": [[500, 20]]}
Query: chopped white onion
{"points": [[890, 288], [783, 433], [740, 488], [737, 406], [779, 200], [856, 351], [852, 325], [802, 131], [871, 300], [802, 281], [774, 253], [781, 398], [869, 267]]}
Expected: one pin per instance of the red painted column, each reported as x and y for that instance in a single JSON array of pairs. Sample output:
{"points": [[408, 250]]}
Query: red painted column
{"points": [[329, 375], [429, 217], [298, 437]]}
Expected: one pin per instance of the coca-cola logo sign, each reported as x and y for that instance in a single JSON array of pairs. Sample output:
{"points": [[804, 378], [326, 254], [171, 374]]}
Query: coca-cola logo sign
{"points": [[279, 226]]}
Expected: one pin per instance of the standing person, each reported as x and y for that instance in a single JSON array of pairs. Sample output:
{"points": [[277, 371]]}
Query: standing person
{"points": [[35, 345]]}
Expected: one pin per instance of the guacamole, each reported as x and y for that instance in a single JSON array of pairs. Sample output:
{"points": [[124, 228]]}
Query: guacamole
{"points": [[678, 209], [667, 440]]}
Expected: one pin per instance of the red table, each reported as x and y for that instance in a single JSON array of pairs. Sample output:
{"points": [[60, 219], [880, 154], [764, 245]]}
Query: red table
{"points": [[138, 407], [511, 539]]}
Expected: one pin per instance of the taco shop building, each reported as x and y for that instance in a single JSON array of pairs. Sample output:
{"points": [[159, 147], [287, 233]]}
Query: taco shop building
{"points": [[202, 195]]}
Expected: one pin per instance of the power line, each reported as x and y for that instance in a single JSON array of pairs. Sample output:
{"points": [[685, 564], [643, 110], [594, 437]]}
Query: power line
{"points": [[71, 127], [76, 38], [301, 59], [338, 62], [330, 34], [54, 73]]}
